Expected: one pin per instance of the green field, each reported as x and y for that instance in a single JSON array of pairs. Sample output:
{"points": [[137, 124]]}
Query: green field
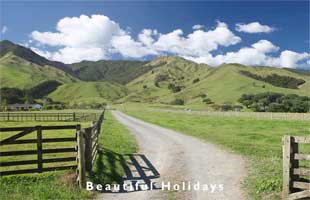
{"points": [[114, 139], [259, 141]]}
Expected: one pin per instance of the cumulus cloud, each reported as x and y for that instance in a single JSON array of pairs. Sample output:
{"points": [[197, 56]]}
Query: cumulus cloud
{"points": [[98, 37], [198, 26], [4, 29], [92, 38], [256, 55], [128, 47], [291, 59], [196, 43], [254, 27], [146, 36]]}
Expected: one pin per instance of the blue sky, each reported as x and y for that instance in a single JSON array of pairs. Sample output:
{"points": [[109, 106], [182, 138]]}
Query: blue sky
{"points": [[288, 20]]}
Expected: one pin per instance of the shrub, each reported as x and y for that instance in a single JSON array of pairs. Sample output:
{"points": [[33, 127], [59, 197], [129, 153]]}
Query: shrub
{"points": [[174, 88], [276, 102], [226, 106], [159, 78], [207, 101], [178, 102], [196, 80]]}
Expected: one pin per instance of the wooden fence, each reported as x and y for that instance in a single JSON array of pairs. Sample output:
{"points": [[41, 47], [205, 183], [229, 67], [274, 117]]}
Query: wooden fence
{"points": [[296, 182], [40, 116], [83, 144], [88, 141], [252, 115]]}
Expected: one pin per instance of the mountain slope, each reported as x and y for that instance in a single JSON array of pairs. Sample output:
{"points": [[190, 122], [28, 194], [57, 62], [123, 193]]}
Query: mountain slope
{"points": [[87, 93], [222, 84], [115, 71], [227, 84], [18, 72], [27, 54], [153, 86]]}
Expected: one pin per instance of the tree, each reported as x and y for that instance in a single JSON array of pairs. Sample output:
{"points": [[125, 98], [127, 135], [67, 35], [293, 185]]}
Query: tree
{"points": [[178, 102]]}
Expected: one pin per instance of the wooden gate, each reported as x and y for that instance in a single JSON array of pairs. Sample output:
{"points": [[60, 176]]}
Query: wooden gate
{"points": [[38, 139], [78, 151], [296, 182]]}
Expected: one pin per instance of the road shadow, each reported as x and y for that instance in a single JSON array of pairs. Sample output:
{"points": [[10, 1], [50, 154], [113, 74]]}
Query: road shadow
{"points": [[124, 169]]}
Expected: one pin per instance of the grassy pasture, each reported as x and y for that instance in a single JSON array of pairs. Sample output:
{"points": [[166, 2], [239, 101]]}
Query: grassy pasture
{"points": [[114, 139], [258, 140]]}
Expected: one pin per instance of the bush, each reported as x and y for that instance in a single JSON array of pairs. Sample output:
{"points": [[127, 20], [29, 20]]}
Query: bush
{"points": [[174, 88], [159, 78], [178, 102], [207, 101], [276, 102], [12, 95], [196, 80], [226, 106]]}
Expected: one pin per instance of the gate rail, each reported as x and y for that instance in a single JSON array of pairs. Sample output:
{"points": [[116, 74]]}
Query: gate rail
{"points": [[84, 144], [296, 182]]}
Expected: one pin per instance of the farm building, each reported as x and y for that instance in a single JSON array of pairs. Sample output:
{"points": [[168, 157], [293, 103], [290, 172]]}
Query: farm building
{"points": [[24, 107]]}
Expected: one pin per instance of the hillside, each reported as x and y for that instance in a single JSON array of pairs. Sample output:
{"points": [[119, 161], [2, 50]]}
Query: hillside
{"points": [[222, 84], [153, 86], [88, 93], [106, 70], [30, 56], [17, 72]]}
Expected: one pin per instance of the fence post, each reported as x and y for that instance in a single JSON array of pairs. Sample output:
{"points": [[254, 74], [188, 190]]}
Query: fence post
{"points": [[8, 116], [286, 166], [81, 158], [88, 149], [73, 116], [39, 148]]}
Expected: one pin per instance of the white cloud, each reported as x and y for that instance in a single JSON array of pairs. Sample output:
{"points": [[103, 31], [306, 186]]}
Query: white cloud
{"points": [[254, 27], [80, 38], [97, 37], [42, 53], [196, 43], [146, 36], [128, 47], [265, 46], [256, 55], [91, 38], [291, 59], [4, 29], [198, 26]]}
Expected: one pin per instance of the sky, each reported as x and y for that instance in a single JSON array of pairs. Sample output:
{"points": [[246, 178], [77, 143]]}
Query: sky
{"points": [[212, 32]]}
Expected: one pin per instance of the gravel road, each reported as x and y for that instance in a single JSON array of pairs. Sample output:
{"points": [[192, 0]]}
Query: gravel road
{"points": [[167, 156]]}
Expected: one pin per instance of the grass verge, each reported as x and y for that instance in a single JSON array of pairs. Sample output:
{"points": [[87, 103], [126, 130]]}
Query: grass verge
{"points": [[116, 143]]}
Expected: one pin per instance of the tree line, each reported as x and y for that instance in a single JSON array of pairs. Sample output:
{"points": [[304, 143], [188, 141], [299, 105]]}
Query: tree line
{"points": [[276, 102], [276, 80]]}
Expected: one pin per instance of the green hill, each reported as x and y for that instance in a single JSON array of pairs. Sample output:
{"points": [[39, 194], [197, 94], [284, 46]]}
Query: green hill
{"points": [[30, 56], [222, 84], [107, 70], [17, 72], [86, 93], [153, 85]]}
